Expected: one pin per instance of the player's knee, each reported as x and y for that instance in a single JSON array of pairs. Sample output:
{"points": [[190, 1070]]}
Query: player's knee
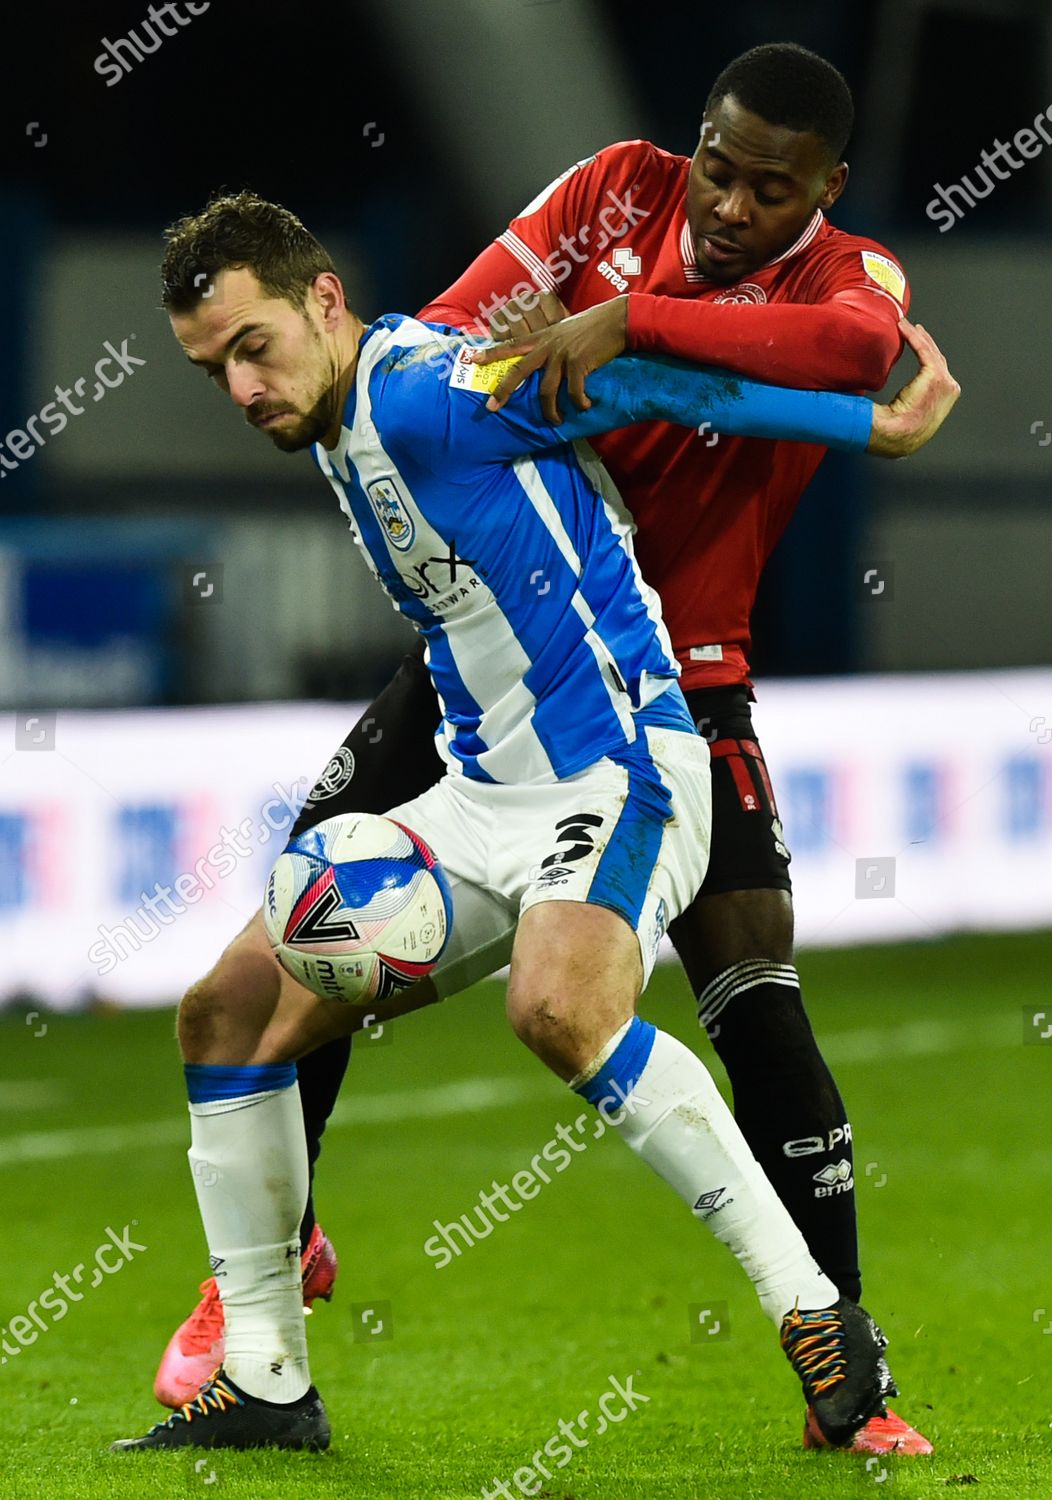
{"points": [[539, 1020], [227, 1005], [195, 1018], [200, 1016]]}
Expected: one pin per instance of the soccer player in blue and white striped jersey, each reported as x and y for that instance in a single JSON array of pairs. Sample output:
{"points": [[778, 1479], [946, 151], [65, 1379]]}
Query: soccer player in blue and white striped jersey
{"points": [[573, 818], [507, 545]]}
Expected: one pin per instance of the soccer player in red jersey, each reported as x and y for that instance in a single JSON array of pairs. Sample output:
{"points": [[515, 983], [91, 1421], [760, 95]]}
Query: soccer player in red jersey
{"points": [[726, 259]]}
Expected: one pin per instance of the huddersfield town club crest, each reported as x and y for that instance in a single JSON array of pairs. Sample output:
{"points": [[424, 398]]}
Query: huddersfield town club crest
{"points": [[392, 513]]}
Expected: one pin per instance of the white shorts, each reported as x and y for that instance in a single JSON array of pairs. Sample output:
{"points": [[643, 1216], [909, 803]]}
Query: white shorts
{"points": [[630, 833]]}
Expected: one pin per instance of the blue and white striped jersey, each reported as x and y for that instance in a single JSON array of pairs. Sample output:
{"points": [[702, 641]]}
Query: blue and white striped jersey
{"points": [[505, 542]]}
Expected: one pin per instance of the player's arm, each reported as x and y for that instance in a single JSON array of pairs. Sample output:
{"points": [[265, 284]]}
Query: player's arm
{"points": [[649, 388], [846, 342], [842, 335], [580, 345], [443, 417]]}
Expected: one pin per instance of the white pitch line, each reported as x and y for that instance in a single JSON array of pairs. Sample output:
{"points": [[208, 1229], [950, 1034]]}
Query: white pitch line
{"points": [[471, 1095], [468, 1096], [920, 1038], [18, 1094]]}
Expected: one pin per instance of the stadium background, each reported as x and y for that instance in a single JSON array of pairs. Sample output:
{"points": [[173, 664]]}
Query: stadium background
{"points": [[902, 635]]}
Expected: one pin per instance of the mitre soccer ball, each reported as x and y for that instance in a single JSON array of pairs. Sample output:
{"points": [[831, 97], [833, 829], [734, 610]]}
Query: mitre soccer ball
{"points": [[358, 908]]}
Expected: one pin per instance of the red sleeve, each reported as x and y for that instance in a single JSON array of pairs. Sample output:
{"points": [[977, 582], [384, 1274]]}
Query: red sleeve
{"points": [[488, 282], [539, 250], [843, 336]]}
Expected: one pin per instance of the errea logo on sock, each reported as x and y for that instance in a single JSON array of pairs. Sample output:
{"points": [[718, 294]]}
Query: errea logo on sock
{"points": [[835, 1178]]}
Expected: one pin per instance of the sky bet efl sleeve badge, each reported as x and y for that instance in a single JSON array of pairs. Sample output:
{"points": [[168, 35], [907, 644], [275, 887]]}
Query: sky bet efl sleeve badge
{"points": [[885, 273], [465, 376]]}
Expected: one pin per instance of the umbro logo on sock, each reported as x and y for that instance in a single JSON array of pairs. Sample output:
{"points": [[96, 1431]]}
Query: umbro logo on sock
{"points": [[707, 1203], [215, 1261]]}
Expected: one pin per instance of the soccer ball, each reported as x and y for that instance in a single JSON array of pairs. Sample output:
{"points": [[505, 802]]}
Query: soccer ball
{"points": [[358, 908]]}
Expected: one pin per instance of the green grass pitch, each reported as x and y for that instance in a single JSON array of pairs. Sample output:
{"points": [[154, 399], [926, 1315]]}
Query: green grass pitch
{"points": [[592, 1279]]}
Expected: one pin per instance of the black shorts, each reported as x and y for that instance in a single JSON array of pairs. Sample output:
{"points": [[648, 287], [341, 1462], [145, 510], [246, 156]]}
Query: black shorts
{"points": [[390, 756], [748, 851]]}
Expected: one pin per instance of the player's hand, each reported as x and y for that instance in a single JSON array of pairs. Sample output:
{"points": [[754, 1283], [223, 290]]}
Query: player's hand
{"points": [[921, 407], [530, 314], [570, 351]]}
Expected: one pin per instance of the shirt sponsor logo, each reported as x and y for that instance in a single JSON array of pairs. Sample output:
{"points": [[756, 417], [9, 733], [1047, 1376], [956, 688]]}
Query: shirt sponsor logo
{"points": [[392, 513], [885, 273]]}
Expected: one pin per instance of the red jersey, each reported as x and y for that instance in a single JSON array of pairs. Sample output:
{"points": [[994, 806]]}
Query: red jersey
{"points": [[823, 314]]}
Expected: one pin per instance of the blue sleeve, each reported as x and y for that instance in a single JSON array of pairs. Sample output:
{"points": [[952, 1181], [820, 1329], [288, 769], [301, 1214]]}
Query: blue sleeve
{"points": [[645, 388], [449, 427]]}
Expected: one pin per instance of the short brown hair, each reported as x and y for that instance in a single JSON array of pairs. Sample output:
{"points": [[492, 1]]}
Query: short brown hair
{"points": [[240, 230]]}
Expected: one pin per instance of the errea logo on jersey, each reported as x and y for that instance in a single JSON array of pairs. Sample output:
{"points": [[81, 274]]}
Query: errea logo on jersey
{"points": [[626, 261], [606, 269]]}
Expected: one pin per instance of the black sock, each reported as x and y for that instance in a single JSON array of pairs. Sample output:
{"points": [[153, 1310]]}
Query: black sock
{"points": [[320, 1074], [388, 757], [788, 1107]]}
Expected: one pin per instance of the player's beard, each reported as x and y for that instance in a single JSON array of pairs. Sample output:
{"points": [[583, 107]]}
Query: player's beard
{"points": [[309, 428], [312, 421]]}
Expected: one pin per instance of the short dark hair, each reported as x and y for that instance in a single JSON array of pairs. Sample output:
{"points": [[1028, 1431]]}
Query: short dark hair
{"points": [[235, 230], [786, 84]]}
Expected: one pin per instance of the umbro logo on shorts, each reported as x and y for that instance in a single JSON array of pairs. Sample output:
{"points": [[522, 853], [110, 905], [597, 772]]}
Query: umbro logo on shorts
{"points": [[573, 831]]}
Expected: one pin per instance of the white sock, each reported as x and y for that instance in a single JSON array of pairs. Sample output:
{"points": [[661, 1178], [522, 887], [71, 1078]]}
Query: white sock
{"points": [[675, 1118], [249, 1160]]}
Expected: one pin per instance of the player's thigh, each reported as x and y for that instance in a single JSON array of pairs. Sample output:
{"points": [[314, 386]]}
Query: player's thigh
{"points": [[246, 978], [576, 974], [248, 1009], [744, 907], [615, 852], [223, 1017]]}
